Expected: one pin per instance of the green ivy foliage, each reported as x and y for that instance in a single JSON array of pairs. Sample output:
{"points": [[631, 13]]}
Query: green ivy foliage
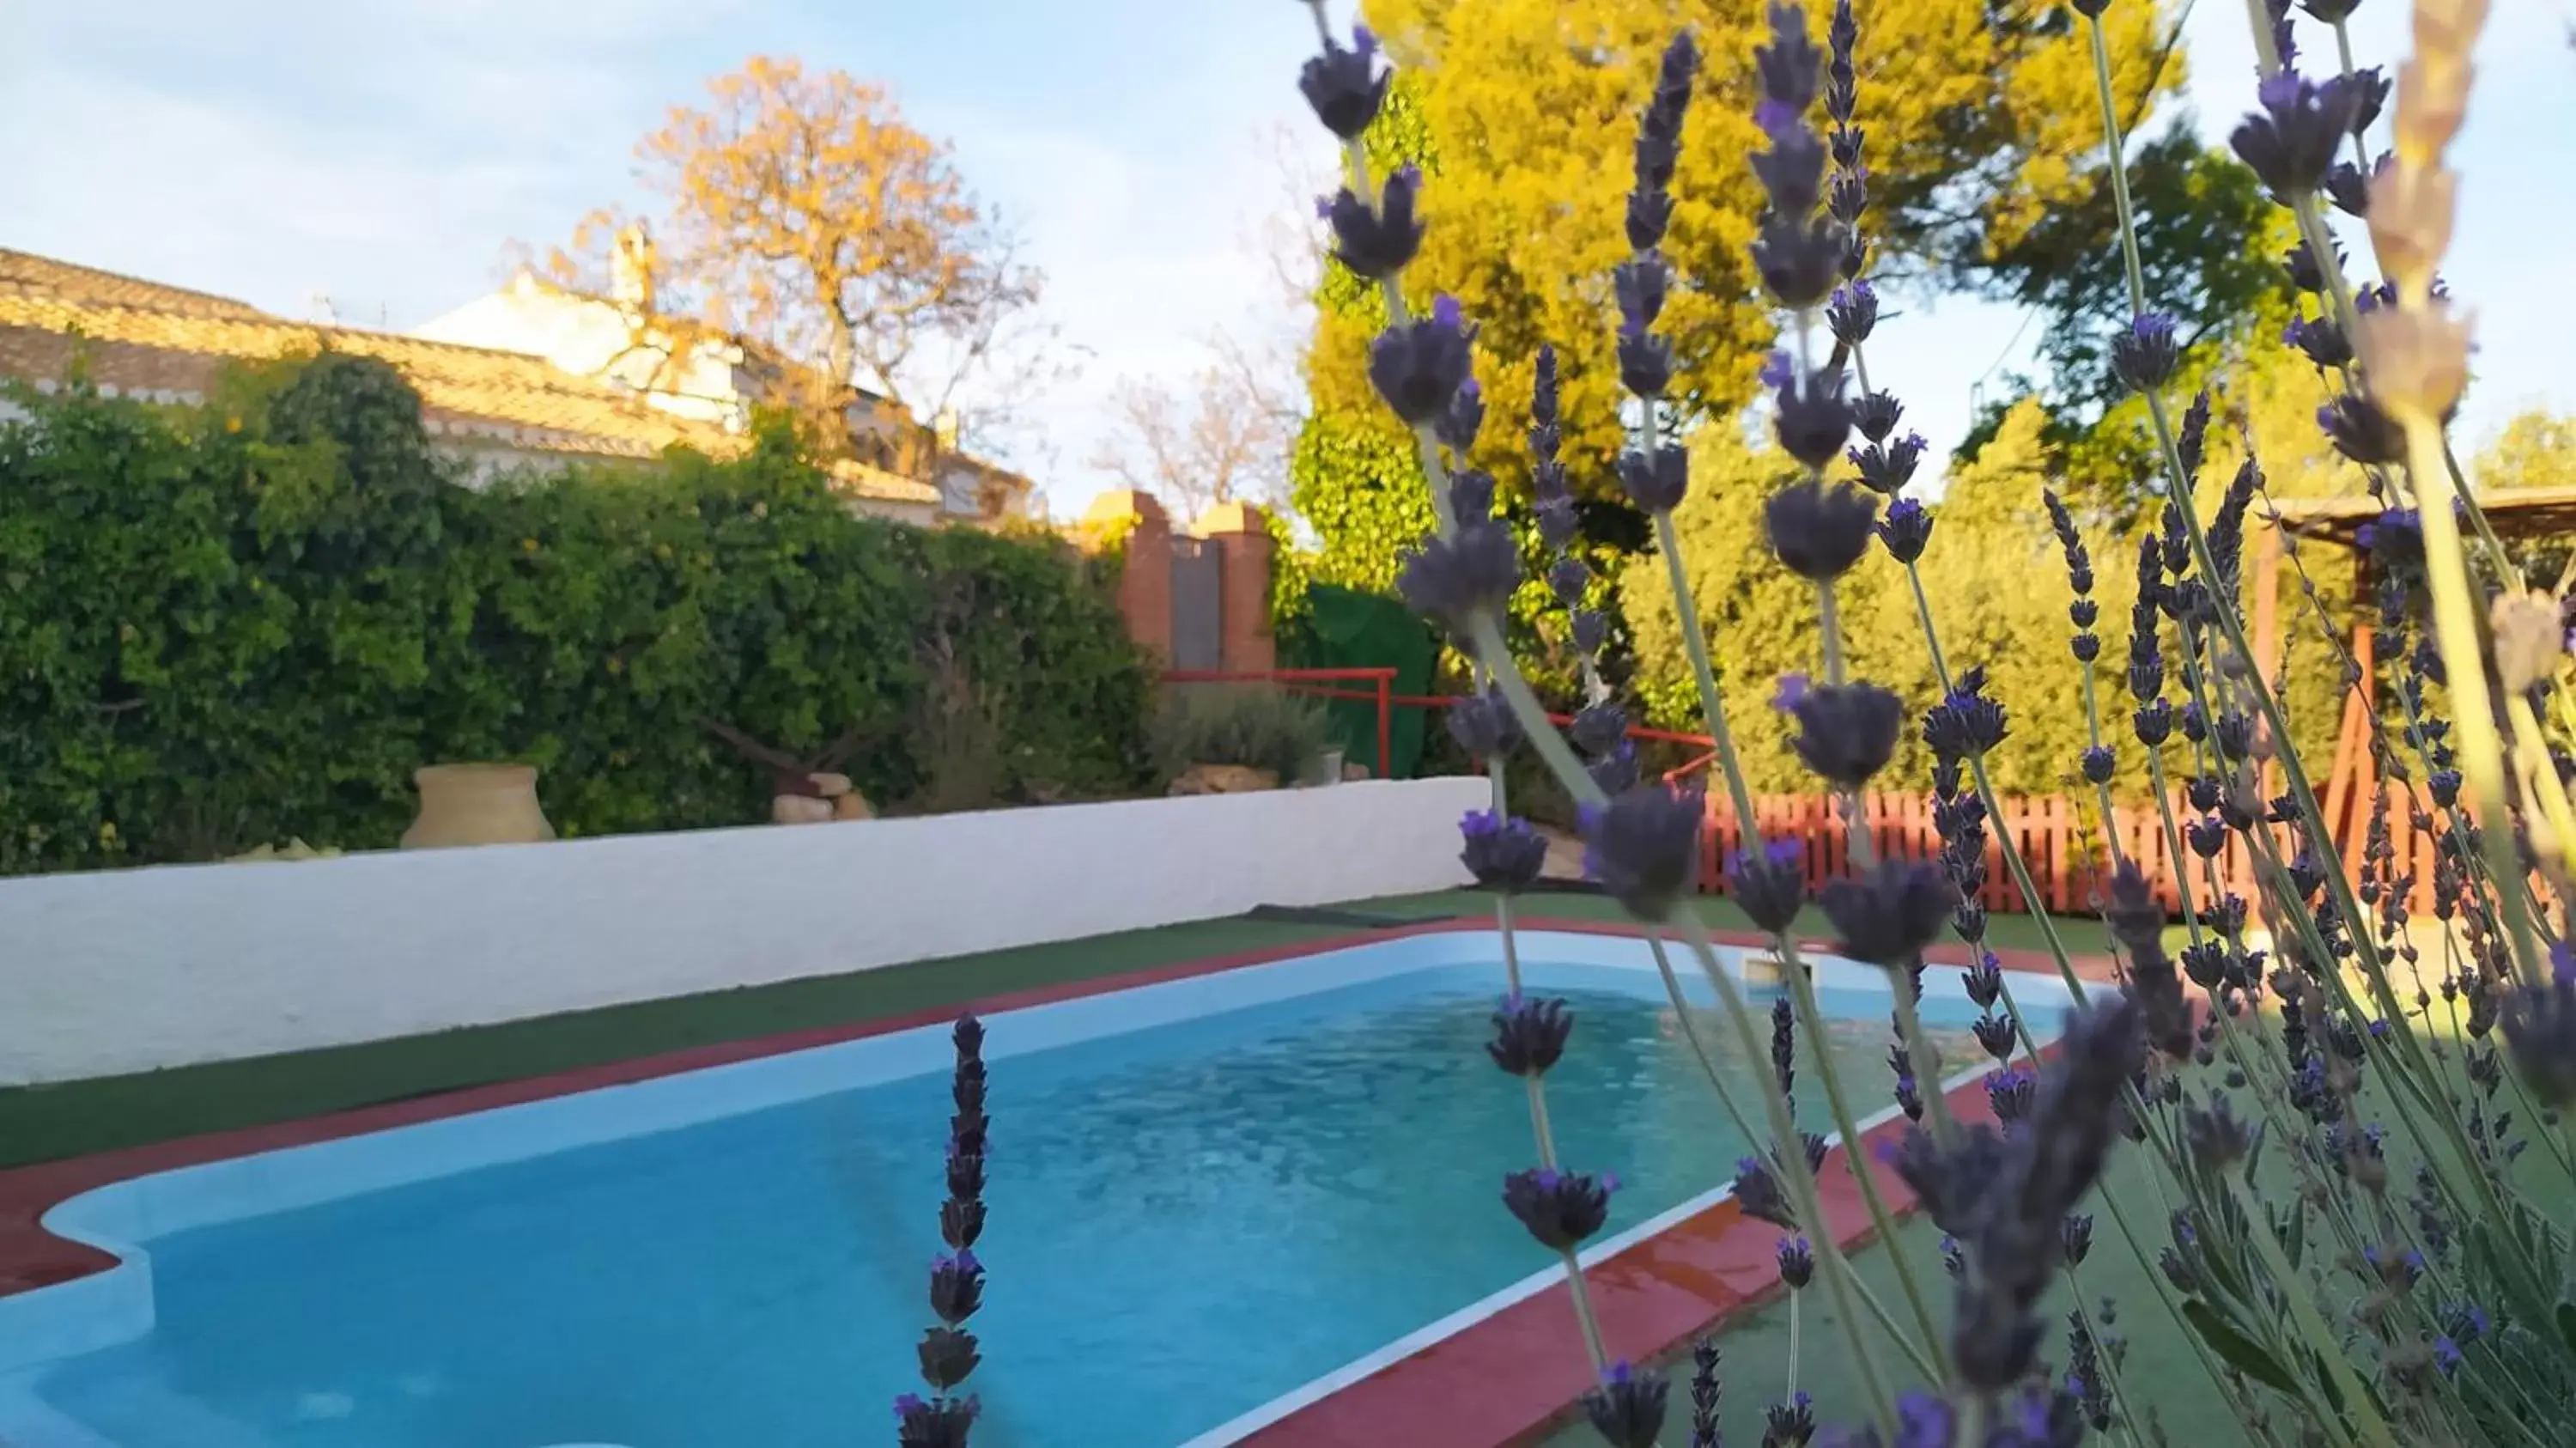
{"points": [[248, 622]]}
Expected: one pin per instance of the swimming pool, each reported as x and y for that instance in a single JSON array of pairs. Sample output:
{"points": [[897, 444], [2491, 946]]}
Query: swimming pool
{"points": [[1205, 1195]]}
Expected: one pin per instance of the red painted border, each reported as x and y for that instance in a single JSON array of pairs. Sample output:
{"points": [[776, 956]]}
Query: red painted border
{"points": [[1505, 1380]]}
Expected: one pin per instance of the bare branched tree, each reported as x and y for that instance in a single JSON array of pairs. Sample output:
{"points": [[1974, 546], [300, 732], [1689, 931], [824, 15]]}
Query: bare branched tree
{"points": [[1222, 436]]}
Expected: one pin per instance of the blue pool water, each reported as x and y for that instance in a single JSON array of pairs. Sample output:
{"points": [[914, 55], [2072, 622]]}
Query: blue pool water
{"points": [[1186, 1221]]}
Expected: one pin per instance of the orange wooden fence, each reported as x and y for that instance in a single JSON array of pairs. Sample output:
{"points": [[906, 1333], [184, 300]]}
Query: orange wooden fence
{"points": [[2059, 840]]}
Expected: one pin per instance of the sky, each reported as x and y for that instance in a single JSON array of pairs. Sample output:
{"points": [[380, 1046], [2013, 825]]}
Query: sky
{"points": [[386, 154]]}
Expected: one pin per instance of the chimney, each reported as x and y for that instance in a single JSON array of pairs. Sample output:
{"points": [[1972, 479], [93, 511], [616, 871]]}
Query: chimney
{"points": [[943, 429], [631, 269]]}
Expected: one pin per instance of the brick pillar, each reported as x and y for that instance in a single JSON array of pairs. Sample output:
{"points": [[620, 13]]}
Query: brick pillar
{"points": [[1243, 542], [1136, 523]]}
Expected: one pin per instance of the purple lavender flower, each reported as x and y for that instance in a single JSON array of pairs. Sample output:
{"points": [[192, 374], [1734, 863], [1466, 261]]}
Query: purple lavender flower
{"points": [[1812, 420], [2320, 339], [1779, 370], [1614, 772], [2007, 1196], [2077, 1238], [1455, 579], [1505, 855], [1906, 530], [1705, 1392], [1643, 846], [2217, 1136], [1789, 1424], [2291, 142], [1346, 87], [1819, 532], [1797, 1262], [1799, 258], [1846, 732], [2144, 355], [2305, 274], [956, 1285], [1376, 242], [1560, 1209], [1529, 1035], [2153, 723], [1965, 724], [2008, 1092], [1771, 888], [1758, 1195], [1558, 521], [1640, 285], [2099, 763], [1657, 479], [1784, 1047], [933, 1423], [1792, 171], [1464, 419], [1789, 66], [1645, 362], [2360, 431], [1876, 415], [1418, 367], [1852, 312], [2540, 1024], [1995, 1033], [1568, 578], [1598, 728], [1984, 981], [1471, 490], [1626, 1407], [1887, 917], [2395, 537], [1483, 724]]}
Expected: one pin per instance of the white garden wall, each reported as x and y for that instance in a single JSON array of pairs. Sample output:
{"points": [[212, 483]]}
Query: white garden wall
{"points": [[139, 969]]}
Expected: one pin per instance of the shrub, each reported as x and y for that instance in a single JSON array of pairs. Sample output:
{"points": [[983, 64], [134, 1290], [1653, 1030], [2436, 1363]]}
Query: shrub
{"points": [[232, 625], [1252, 725]]}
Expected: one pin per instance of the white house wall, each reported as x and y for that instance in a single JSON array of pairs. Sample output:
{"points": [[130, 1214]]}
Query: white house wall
{"points": [[591, 338]]}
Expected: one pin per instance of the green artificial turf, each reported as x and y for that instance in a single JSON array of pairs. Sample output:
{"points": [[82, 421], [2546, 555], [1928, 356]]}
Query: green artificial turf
{"points": [[43, 1123]]}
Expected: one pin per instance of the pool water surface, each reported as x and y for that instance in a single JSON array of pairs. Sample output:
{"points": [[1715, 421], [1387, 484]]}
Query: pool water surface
{"points": [[1188, 1219]]}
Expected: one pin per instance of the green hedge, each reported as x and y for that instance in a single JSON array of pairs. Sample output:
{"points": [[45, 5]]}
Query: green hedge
{"points": [[236, 624]]}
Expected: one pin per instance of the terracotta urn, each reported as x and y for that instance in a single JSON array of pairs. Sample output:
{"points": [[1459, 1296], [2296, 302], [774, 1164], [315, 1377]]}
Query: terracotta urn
{"points": [[477, 804]]}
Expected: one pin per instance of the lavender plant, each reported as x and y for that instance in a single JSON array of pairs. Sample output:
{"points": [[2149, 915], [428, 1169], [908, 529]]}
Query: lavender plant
{"points": [[2278, 1096], [948, 1352]]}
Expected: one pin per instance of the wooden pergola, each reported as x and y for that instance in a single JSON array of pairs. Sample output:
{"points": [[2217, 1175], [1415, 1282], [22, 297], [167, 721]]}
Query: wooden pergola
{"points": [[2514, 513]]}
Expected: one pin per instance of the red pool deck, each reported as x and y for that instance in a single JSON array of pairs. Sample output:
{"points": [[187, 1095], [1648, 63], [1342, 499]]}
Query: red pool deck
{"points": [[1507, 1379]]}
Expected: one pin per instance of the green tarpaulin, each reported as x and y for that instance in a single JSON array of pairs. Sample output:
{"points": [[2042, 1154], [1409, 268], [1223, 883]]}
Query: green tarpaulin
{"points": [[1347, 629]]}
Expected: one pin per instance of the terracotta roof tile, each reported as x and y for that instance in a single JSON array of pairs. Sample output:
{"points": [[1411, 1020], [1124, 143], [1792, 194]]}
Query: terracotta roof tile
{"points": [[27, 274], [465, 391]]}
